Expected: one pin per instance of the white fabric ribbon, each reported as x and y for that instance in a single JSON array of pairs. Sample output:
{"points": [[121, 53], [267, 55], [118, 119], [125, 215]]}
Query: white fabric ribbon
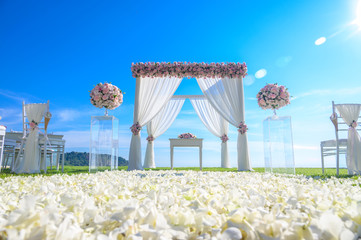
{"points": [[350, 114]]}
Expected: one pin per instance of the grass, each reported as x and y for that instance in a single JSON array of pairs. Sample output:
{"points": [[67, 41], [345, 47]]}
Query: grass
{"points": [[311, 172]]}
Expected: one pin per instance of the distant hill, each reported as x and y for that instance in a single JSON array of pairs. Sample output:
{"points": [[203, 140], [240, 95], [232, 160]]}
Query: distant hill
{"points": [[82, 159]]}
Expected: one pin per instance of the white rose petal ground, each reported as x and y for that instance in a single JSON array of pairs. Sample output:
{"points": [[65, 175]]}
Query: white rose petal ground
{"points": [[179, 205]]}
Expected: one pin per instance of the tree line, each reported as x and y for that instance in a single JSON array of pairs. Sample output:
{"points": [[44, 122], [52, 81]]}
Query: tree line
{"points": [[82, 159]]}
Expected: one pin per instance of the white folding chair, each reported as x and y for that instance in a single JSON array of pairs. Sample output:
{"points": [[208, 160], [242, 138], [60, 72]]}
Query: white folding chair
{"points": [[2, 141], [9, 152], [56, 145], [337, 146]]}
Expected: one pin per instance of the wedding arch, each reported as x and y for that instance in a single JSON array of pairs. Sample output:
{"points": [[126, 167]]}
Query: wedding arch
{"points": [[221, 84]]}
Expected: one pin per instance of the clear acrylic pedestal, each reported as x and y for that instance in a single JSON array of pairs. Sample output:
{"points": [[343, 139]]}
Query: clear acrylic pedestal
{"points": [[104, 143], [278, 145]]}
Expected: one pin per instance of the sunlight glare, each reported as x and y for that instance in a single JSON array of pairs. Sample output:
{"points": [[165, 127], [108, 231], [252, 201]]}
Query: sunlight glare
{"points": [[358, 14], [261, 73], [320, 41]]}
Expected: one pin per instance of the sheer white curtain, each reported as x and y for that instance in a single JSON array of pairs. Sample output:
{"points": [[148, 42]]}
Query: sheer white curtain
{"points": [[151, 94], [350, 114], [30, 163], [226, 96], [216, 124], [159, 124]]}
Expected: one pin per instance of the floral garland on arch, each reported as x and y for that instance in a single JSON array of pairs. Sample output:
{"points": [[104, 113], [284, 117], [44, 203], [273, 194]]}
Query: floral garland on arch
{"points": [[106, 95], [273, 96], [190, 70], [187, 136]]}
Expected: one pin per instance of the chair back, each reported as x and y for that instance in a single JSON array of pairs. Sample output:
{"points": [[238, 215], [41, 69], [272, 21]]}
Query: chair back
{"points": [[338, 120], [26, 123]]}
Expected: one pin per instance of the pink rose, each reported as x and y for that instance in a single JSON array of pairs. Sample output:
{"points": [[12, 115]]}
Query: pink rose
{"points": [[272, 96], [262, 102]]}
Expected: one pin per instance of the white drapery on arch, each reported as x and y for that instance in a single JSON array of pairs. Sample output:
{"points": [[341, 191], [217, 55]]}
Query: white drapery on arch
{"points": [[151, 94], [216, 124], [226, 96], [350, 113], [159, 124]]}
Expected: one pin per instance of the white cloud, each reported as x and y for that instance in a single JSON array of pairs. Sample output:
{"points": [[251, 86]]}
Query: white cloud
{"points": [[329, 92], [66, 115], [16, 96], [283, 61], [306, 147]]}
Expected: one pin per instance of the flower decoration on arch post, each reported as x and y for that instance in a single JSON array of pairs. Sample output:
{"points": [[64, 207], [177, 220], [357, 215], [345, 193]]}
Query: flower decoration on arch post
{"points": [[150, 138], [224, 138], [135, 128], [242, 128]]}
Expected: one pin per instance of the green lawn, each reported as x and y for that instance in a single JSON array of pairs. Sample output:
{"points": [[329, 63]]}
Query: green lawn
{"points": [[312, 172]]}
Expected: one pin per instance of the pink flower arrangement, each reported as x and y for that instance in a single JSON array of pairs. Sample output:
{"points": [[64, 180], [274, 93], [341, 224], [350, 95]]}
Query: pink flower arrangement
{"points": [[106, 95], [150, 138], [353, 124], [187, 136], [190, 70], [242, 128], [135, 128], [33, 125], [224, 138], [273, 96]]}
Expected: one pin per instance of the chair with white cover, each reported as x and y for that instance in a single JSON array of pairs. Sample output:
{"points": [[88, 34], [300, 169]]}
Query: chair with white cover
{"points": [[2, 141], [29, 157], [344, 118]]}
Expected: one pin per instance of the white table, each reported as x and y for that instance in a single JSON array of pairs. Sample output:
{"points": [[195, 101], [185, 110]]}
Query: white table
{"points": [[56, 141], [178, 142]]}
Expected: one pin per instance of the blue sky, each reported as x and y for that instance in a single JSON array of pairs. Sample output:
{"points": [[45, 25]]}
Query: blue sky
{"points": [[58, 50]]}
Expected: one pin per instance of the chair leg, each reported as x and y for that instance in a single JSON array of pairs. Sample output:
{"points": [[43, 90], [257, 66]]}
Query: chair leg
{"points": [[322, 161], [337, 159], [51, 161], [62, 160], [58, 153]]}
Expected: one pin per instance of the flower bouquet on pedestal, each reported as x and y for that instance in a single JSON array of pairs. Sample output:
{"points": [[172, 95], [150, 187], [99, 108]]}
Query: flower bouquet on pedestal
{"points": [[277, 131], [104, 132], [273, 96], [106, 95], [187, 136]]}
